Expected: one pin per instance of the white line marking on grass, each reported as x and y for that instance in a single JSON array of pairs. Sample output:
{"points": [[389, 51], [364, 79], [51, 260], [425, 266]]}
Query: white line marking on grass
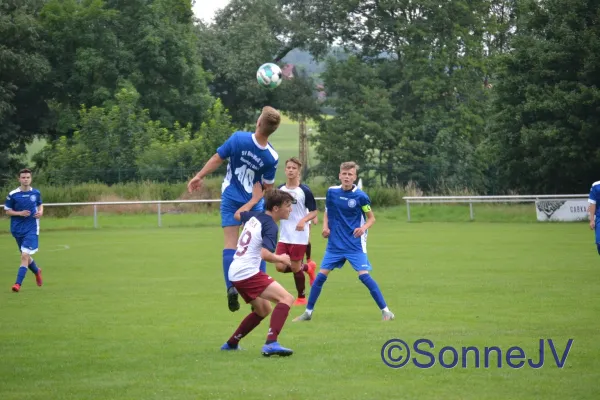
{"points": [[61, 247]]}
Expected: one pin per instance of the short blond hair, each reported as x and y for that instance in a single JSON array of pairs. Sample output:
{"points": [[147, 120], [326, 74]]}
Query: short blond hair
{"points": [[348, 165], [270, 120], [295, 161]]}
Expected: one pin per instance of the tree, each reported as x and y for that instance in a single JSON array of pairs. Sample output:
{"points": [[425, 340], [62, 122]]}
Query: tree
{"points": [[23, 69], [122, 143], [546, 126], [245, 35], [97, 45], [423, 65]]}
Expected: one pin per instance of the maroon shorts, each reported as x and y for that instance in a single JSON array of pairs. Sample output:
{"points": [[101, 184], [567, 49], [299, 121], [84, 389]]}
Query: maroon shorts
{"points": [[251, 288], [295, 251]]}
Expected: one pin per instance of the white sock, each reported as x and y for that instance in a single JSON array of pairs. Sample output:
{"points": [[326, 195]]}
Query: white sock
{"points": [[309, 311], [385, 309]]}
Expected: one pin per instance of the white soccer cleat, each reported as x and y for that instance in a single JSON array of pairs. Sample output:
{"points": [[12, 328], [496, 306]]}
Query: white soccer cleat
{"points": [[304, 317], [387, 315]]}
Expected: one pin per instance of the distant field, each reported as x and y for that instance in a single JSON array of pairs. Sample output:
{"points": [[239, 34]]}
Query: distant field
{"points": [[34, 148], [287, 143], [140, 313]]}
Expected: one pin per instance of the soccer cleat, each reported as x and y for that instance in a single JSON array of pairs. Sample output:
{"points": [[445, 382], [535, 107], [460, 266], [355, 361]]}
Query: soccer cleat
{"points": [[312, 268], [232, 299], [16, 287], [227, 347], [301, 301], [38, 277], [275, 349], [304, 317], [387, 315]]}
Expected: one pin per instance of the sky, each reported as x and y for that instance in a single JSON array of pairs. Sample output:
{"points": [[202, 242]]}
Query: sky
{"points": [[205, 9]]}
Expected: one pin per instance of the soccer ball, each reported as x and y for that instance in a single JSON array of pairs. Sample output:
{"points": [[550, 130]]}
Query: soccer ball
{"points": [[269, 75]]}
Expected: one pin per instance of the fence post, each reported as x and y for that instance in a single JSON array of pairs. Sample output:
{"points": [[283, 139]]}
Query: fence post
{"points": [[408, 209], [95, 216], [471, 209], [159, 217]]}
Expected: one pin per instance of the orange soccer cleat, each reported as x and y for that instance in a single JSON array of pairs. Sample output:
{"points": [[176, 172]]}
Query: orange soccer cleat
{"points": [[301, 301], [38, 277], [312, 268]]}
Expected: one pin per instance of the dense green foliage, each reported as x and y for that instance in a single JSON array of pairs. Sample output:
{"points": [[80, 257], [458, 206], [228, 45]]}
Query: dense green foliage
{"points": [[490, 96]]}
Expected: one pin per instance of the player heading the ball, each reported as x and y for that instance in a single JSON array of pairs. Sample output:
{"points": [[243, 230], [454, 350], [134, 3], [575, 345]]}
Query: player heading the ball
{"points": [[251, 159]]}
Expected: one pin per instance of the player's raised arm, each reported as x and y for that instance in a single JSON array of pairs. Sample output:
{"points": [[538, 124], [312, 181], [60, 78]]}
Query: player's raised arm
{"points": [[211, 166], [257, 194]]}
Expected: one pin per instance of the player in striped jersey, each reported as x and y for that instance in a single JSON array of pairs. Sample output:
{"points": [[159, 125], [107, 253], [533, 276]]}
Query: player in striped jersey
{"points": [[294, 232]]}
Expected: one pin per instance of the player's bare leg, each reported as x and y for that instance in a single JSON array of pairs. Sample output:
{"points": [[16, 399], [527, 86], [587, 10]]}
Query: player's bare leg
{"points": [[260, 309], [231, 237], [277, 294], [298, 269]]}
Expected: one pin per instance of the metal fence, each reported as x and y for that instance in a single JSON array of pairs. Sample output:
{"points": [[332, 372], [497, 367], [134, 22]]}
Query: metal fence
{"points": [[409, 200], [487, 199], [149, 202]]}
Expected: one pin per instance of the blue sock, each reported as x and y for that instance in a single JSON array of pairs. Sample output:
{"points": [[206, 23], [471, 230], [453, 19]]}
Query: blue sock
{"points": [[263, 266], [33, 267], [21, 274], [227, 260], [370, 283], [598, 245], [315, 290]]}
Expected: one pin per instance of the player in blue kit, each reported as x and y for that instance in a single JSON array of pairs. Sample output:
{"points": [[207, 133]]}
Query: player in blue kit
{"points": [[25, 208], [251, 159], [346, 207], [594, 212]]}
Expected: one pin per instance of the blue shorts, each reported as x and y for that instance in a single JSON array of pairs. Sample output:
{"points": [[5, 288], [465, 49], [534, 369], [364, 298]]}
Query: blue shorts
{"points": [[597, 230], [27, 243], [229, 207], [359, 261]]}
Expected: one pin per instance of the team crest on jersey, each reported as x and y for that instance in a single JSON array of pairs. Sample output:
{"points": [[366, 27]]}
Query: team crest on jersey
{"points": [[32, 197], [351, 203]]}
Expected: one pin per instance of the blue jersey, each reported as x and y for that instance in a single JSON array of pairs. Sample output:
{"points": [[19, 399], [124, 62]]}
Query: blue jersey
{"points": [[249, 162], [18, 200], [595, 196], [346, 211]]}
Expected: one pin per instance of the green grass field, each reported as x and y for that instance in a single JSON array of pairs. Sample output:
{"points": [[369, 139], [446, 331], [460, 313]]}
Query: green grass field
{"points": [[140, 313]]}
